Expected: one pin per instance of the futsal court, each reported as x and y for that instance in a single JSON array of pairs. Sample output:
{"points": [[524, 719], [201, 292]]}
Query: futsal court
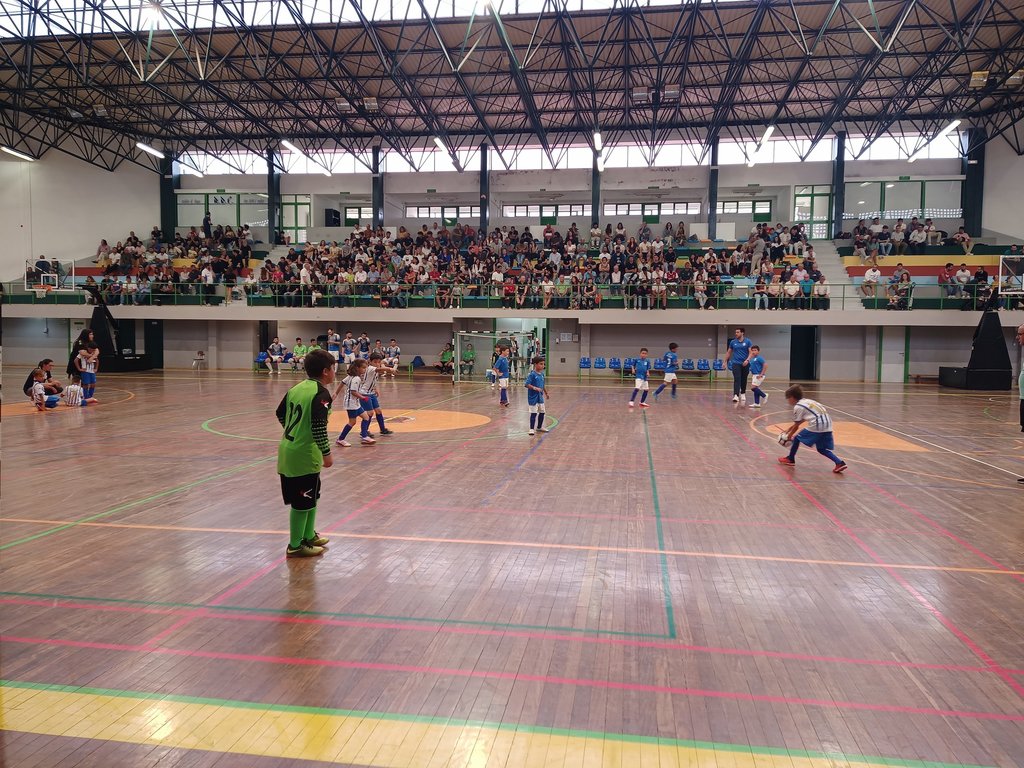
{"points": [[643, 588]]}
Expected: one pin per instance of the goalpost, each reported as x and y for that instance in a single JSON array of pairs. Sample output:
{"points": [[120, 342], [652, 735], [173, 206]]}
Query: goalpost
{"points": [[474, 353]]}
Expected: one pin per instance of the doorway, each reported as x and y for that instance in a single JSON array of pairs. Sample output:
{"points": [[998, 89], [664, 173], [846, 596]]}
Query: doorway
{"points": [[804, 346], [153, 338]]}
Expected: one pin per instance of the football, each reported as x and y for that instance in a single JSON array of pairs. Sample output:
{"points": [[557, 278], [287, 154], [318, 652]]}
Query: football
{"points": [[784, 440]]}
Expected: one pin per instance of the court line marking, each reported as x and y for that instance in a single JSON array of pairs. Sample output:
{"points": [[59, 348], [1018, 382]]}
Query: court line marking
{"points": [[666, 584], [65, 409], [352, 729], [915, 593], [597, 548], [926, 442], [480, 628], [480, 674], [137, 502], [507, 512], [963, 481], [277, 562]]}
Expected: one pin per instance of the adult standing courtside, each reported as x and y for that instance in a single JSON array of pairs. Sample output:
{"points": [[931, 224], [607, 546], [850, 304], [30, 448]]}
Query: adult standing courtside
{"points": [[739, 360]]}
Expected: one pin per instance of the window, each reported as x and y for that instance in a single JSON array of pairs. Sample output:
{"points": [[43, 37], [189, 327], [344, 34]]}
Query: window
{"points": [[652, 209], [562, 210], [761, 210], [447, 212], [903, 199], [358, 214]]}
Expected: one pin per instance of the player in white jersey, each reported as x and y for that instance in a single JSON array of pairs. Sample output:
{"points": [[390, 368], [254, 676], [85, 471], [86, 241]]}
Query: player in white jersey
{"points": [[368, 387], [812, 426], [353, 402], [40, 399], [392, 355], [74, 395]]}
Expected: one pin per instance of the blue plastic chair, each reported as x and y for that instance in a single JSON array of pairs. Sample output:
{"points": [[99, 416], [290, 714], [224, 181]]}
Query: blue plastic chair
{"points": [[584, 366], [260, 361], [703, 365], [614, 363], [600, 362], [687, 365], [659, 365], [719, 365]]}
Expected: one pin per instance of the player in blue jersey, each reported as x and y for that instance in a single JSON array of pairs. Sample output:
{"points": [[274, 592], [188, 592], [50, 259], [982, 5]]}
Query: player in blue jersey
{"points": [[671, 366], [348, 349], [758, 370], [536, 391], [739, 362], [641, 373], [501, 370]]}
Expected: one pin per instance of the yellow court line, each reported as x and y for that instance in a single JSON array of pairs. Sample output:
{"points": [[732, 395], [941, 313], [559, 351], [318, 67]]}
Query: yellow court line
{"points": [[379, 740], [545, 545]]}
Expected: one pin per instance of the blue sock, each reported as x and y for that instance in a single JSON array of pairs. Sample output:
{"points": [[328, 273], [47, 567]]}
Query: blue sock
{"points": [[540, 420], [380, 421], [643, 397], [659, 390], [829, 455], [345, 431], [533, 420], [792, 450], [504, 395], [632, 398], [364, 430], [673, 389]]}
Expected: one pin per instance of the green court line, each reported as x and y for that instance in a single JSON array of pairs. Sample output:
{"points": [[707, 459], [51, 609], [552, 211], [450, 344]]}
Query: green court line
{"points": [[137, 502], [484, 724], [341, 615], [670, 615]]}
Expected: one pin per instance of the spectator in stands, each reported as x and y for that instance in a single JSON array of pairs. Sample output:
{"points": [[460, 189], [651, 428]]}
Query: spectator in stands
{"points": [[822, 293], [869, 285], [207, 226], [963, 279], [947, 280], [900, 292], [933, 236], [863, 250], [899, 237], [883, 241], [963, 239], [775, 292], [792, 293], [898, 273], [917, 239]]}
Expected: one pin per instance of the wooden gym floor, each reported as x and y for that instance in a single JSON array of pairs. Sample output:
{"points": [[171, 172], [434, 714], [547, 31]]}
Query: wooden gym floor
{"points": [[630, 589]]}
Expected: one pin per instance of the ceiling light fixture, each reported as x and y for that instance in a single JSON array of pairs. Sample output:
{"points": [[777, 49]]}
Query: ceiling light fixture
{"points": [[945, 131], [291, 147], [600, 164], [979, 79], [17, 154], [149, 150], [865, 183], [1015, 80], [598, 143], [370, 103], [767, 134], [440, 144]]}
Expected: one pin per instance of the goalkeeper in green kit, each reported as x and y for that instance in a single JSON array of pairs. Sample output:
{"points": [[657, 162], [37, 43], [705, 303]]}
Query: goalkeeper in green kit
{"points": [[304, 449]]}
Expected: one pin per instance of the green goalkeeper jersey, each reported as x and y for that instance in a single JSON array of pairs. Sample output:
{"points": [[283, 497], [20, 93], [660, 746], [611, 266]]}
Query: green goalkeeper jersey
{"points": [[303, 413]]}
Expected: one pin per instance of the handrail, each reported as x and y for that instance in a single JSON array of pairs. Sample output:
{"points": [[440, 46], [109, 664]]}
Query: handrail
{"points": [[725, 295]]}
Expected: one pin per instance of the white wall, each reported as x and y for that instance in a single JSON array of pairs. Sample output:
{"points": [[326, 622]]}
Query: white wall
{"points": [[843, 354], [61, 206], [27, 340], [1004, 182]]}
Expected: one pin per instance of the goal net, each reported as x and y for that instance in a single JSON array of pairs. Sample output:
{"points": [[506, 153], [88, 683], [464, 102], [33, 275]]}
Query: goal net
{"points": [[475, 353], [1011, 275]]}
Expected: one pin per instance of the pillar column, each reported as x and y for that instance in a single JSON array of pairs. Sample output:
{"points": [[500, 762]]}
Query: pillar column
{"points": [[595, 196], [713, 192], [377, 192], [485, 190], [170, 181], [838, 184], [972, 191], [273, 193]]}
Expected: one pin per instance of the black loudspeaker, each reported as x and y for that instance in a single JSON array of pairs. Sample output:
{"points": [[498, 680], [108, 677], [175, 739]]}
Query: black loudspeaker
{"points": [[332, 217], [989, 368]]}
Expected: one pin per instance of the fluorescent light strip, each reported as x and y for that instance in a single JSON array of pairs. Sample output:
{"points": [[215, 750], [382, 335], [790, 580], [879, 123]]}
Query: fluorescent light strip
{"points": [[149, 150], [767, 134], [17, 154], [292, 148], [598, 143], [440, 144], [944, 132]]}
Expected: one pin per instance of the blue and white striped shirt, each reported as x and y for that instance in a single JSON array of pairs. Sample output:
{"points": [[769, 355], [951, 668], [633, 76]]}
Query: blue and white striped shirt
{"points": [[813, 414]]}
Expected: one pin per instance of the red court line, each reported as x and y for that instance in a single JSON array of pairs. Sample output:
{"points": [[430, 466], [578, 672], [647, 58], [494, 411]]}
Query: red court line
{"points": [[231, 591], [962, 636], [510, 633], [938, 528], [629, 518], [517, 677]]}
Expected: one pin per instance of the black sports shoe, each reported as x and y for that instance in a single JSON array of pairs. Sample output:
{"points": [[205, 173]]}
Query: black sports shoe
{"points": [[387, 432]]}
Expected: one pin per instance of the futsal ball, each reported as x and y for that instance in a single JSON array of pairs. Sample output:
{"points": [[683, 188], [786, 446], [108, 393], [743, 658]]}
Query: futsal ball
{"points": [[784, 441]]}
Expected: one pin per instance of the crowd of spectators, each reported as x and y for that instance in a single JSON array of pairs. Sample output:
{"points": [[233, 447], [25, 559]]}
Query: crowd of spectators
{"points": [[876, 240], [549, 270]]}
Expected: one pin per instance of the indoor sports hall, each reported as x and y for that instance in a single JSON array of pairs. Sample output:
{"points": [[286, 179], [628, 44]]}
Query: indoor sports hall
{"points": [[512, 383]]}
